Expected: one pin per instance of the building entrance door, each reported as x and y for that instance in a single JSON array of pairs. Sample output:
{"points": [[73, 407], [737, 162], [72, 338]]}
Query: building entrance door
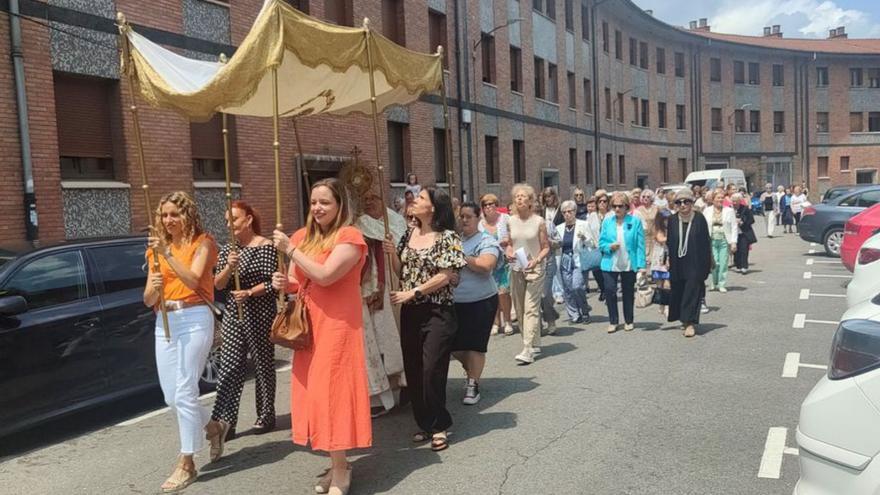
{"points": [[777, 173], [550, 178]]}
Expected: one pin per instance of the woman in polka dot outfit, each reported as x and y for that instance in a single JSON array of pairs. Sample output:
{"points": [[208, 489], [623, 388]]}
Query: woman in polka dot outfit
{"points": [[256, 260]]}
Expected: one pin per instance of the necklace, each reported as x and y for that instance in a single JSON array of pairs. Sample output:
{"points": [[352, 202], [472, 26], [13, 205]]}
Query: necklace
{"points": [[683, 241]]}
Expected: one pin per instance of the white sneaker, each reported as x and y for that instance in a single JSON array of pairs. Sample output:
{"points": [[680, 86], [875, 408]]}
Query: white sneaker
{"points": [[722, 290], [536, 351], [471, 393], [628, 327], [495, 330], [508, 329], [526, 356], [704, 309]]}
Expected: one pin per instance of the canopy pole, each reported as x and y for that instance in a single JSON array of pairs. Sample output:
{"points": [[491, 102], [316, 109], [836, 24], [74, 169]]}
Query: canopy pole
{"points": [[139, 144], [450, 169], [379, 166], [233, 246], [277, 152]]}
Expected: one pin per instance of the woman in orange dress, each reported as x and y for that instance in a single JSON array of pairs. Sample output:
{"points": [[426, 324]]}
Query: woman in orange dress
{"points": [[330, 400]]}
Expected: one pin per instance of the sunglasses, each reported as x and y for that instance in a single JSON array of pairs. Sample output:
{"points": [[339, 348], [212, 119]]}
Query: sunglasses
{"points": [[680, 202], [618, 206], [603, 200], [489, 204]]}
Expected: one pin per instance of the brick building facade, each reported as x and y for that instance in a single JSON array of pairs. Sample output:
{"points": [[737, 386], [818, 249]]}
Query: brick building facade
{"points": [[551, 92]]}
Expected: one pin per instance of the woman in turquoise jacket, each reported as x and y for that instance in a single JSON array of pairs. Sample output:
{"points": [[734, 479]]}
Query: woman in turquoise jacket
{"points": [[622, 244]]}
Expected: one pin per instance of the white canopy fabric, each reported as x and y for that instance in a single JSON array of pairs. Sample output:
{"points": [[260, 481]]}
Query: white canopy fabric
{"points": [[322, 68]]}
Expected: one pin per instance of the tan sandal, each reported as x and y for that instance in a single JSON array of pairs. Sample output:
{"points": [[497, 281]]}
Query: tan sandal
{"points": [[216, 433], [181, 478]]}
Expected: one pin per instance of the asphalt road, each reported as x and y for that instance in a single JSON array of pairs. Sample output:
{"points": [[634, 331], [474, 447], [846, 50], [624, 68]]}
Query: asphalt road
{"points": [[642, 412]]}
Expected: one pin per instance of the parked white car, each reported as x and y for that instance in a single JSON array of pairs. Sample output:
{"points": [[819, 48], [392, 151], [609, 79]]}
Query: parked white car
{"points": [[839, 429], [865, 283]]}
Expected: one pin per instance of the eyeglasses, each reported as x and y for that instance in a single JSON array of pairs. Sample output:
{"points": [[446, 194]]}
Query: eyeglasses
{"points": [[681, 202], [603, 200], [567, 211], [618, 206], [489, 204]]}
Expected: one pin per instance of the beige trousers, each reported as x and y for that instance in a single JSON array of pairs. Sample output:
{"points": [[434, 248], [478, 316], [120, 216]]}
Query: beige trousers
{"points": [[526, 289]]}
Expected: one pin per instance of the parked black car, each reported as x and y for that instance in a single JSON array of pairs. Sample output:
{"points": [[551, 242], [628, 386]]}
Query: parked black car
{"points": [[74, 331], [823, 223]]}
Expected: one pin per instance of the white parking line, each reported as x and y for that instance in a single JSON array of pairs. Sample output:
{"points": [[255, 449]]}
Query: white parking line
{"points": [[811, 251], [774, 448], [791, 451], [799, 319], [825, 275], [812, 244], [808, 275], [821, 322], [810, 261], [826, 262], [816, 294], [792, 365], [805, 294]]}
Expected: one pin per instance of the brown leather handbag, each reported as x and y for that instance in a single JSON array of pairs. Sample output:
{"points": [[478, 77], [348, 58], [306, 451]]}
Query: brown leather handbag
{"points": [[292, 327]]}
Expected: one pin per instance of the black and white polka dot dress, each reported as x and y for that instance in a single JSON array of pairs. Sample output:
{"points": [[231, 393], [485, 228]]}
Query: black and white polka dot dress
{"points": [[251, 334]]}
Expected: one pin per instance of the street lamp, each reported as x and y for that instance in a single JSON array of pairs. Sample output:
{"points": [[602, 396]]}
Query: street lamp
{"points": [[476, 96]]}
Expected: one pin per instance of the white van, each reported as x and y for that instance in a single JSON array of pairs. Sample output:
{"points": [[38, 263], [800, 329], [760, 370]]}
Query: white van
{"points": [[711, 178]]}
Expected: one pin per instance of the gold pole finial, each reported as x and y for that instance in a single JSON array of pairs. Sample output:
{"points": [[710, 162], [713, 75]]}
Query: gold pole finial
{"points": [[367, 23]]}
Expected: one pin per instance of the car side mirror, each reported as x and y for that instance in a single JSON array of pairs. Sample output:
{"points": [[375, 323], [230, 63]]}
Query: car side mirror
{"points": [[12, 305]]}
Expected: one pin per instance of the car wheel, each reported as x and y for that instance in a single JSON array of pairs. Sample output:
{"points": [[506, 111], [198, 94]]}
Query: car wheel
{"points": [[211, 374], [833, 240]]}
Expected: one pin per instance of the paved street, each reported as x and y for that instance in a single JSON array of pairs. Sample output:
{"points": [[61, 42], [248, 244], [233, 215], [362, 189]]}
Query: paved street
{"points": [[643, 412]]}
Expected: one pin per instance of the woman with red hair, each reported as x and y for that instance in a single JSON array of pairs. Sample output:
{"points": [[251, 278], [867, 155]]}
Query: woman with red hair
{"points": [[256, 259]]}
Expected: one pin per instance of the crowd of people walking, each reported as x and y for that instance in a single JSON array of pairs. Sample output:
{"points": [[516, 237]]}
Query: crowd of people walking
{"points": [[391, 297]]}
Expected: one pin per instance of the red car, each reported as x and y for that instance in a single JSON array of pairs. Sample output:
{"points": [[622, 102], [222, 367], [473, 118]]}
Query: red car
{"points": [[856, 231]]}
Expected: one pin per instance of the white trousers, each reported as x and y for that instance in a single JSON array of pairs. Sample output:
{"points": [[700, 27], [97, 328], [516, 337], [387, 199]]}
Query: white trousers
{"points": [[771, 222], [180, 363]]}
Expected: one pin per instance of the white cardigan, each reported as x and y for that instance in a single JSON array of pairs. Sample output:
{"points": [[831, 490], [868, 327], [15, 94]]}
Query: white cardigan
{"points": [[728, 222], [583, 238]]}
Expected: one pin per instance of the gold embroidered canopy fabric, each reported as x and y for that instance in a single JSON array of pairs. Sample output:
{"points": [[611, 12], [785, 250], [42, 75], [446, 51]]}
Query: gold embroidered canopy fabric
{"points": [[322, 68]]}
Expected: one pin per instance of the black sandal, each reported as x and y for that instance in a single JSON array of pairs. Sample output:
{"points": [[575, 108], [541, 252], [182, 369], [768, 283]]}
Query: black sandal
{"points": [[439, 442], [262, 426]]}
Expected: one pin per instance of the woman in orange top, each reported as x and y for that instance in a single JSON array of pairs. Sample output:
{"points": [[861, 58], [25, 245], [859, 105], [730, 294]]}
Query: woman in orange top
{"points": [[185, 278], [330, 401]]}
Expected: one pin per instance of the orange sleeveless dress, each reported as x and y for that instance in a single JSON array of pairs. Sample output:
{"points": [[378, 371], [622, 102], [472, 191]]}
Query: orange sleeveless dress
{"points": [[329, 399]]}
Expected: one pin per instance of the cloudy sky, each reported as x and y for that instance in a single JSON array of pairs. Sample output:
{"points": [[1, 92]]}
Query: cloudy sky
{"points": [[798, 18]]}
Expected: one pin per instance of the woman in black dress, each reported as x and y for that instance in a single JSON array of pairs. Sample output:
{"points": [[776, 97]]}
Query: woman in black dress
{"points": [[256, 259], [747, 237], [690, 261]]}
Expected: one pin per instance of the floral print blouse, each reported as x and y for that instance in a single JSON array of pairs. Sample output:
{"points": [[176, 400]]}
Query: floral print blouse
{"points": [[419, 265]]}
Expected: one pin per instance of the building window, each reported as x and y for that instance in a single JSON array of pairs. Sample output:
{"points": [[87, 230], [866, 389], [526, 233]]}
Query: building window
{"points": [[540, 89], [821, 76], [715, 69], [608, 103], [844, 164], [646, 113], [394, 22], [683, 167], [487, 46], [754, 121], [739, 120], [778, 75], [635, 107], [546, 7], [553, 83], [572, 166], [680, 121], [679, 64], [300, 5], [664, 169], [856, 123], [569, 15], [398, 150], [588, 96], [618, 44], [585, 21], [493, 174], [716, 120], [588, 162], [754, 73], [661, 115], [822, 162], [643, 55], [604, 36], [609, 168], [621, 169], [206, 143], [873, 121], [339, 12], [874, 78], [633, 51], [778, 122], [437, 34], [821, 121], [661, 60], [572, 91], [516, 82], [440, 155], [82, 116], [620, 108], [519, 161], [739, 72], [855, 78]]}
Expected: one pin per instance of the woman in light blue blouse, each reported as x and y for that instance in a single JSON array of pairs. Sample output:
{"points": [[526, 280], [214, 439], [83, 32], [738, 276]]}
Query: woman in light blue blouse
{"points": [[622, 244]]}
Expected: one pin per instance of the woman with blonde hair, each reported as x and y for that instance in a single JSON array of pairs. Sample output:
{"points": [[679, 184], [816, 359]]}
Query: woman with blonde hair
{"points": [[622, 244], [494, 223], [527, 250], [187, 256], [330, 399], [723, 230]]}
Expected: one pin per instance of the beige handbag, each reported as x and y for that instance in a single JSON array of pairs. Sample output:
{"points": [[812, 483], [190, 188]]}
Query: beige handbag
{"points": [[292, 327], [644, 296]]}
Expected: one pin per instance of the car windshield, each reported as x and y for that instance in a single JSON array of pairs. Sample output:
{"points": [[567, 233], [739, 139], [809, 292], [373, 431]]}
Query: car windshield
{"points": [[834, 192]]}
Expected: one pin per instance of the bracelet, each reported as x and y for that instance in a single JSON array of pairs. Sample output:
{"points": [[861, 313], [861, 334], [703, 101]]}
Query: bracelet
{"points": [[290, 251]]}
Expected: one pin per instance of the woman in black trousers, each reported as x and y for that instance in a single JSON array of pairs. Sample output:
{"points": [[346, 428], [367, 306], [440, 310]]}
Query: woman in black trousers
{"points": [[427, 258], [744, 220]]}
